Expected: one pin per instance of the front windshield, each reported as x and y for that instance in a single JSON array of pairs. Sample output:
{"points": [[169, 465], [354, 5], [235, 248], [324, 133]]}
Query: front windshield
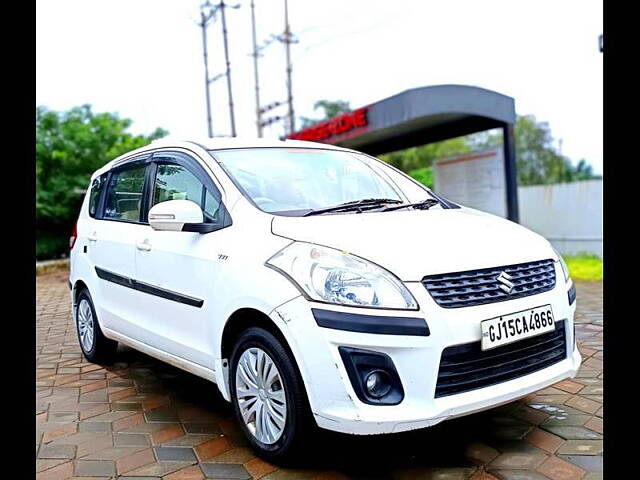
{"points": [[299, 180]]}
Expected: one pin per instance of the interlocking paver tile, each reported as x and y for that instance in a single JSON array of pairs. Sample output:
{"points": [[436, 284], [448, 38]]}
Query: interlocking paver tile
{"points": [[131, 440], [212, 448], [95, 468], [135, 460], [225, 470], [57, 451], [544, 440], [175, 454], [558, 469], [157, 469], [507, 474], [518, 455], [590, 463], [581, 447], [480, 453], [596, 424], [567, 420], [258, 468], [120, 415], [573, 433], [59, 472]]}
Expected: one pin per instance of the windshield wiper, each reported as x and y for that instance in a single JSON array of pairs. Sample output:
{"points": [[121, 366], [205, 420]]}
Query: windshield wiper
{"points": [[358, 205], [423, 205]]}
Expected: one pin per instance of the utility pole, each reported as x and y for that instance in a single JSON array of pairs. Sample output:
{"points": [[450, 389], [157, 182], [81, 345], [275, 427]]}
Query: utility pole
{"points": [[255, 70], [287, 39], [222, 6], [205, 18]]}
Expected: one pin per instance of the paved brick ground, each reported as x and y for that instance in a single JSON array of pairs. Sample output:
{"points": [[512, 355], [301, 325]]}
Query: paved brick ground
{"points": [[141, 419]]}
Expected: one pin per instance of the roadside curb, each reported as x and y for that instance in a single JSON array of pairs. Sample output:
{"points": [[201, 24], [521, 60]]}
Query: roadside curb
{"points": [[50, 266]]}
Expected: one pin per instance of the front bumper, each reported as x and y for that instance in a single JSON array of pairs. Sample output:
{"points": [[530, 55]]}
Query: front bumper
{"points": [[333, 400]]}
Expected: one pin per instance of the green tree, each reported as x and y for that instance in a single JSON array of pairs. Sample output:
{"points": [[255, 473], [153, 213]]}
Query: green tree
{"points": [[70, 146], [536, 157], [330, 109]]}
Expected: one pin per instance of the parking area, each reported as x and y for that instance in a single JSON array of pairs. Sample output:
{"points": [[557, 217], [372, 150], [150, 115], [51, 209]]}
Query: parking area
{"points": [[142, 419]]}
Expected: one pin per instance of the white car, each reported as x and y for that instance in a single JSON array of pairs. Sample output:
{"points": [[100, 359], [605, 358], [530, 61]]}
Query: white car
{"points": [[316, 286]]}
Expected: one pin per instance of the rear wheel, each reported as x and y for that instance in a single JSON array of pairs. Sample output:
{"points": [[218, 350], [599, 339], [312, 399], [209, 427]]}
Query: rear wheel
{"points": [[268, 395], [94, 345]]}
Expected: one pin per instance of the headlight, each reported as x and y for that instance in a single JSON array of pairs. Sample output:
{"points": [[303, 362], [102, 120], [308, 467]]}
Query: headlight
{"points": [[565, 269], [329, 275]]}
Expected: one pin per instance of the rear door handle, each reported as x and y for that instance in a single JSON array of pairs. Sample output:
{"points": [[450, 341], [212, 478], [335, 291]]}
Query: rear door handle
{"points": [[93, 237], [143, 246]]}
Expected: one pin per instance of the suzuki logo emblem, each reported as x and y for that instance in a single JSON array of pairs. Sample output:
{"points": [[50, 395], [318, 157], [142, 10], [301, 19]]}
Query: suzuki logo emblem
{"points": [[505, 279]]}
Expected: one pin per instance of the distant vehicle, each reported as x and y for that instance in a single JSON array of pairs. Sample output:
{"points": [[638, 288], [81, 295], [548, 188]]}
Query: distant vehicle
{"points": [[316, 286]]}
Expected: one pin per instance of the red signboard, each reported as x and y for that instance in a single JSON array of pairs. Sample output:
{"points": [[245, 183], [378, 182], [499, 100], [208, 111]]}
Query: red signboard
{"points": [[334, 126]]}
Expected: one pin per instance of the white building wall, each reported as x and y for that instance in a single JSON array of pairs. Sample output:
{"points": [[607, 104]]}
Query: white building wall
{"points": [[569, 215]]}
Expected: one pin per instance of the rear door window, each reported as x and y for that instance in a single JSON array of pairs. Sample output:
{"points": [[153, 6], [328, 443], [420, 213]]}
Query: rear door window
{"points": [[124, 194]]}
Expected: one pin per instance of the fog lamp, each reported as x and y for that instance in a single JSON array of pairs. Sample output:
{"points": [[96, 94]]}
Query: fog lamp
{"points": [[378, 383]]}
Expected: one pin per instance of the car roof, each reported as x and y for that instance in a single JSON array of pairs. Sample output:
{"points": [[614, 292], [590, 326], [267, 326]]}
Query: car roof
{"points": [[220, 143]]}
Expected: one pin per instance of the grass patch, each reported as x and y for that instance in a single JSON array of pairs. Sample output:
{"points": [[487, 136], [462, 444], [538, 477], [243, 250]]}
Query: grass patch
{"points": [[584, 267]]}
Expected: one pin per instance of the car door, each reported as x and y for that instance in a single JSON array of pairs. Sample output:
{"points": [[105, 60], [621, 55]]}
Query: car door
{"points": [[111, 244], [176, 271]]}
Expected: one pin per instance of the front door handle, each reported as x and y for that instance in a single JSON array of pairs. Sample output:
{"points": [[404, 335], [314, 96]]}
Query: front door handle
{"points": [[93, 237], [143, 246]]}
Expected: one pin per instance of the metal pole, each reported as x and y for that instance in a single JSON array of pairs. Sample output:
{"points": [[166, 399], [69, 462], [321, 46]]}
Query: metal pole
{"points": [[255, 70], [287, 42], [203, 25], [226, 56], [510, 170]]}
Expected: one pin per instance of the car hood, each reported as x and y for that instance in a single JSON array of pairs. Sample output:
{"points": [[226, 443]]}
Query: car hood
{"points": [[415, 243]]}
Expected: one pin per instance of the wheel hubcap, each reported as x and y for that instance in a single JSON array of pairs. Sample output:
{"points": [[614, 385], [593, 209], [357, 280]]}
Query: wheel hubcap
{"points": [[260, 395], [85, 325]]}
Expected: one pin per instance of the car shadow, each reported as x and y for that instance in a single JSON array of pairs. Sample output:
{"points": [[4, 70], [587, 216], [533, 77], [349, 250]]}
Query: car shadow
{"points": [[444, 445]]}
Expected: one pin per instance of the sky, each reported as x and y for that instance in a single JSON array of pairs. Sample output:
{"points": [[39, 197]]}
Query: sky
{"points": [[143, 59]]}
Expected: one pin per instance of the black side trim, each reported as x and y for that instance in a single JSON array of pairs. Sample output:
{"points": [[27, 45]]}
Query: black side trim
{"points": [[146, 288], [353, 322], [572, 294], [114, 278]]}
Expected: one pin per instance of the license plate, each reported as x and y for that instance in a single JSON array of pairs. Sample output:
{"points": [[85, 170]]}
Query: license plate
{"points": [[517, 326]]}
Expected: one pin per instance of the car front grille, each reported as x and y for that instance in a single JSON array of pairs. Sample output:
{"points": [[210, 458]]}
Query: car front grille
{"points": [[466, 367], [478, 287]]}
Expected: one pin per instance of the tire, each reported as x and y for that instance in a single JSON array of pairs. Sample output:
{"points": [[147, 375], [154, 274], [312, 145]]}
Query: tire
{"points": [[95, 346], [286, 448]]}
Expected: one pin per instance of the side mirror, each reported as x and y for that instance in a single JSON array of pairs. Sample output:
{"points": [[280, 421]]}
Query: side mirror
{"points": [[179, 216]]}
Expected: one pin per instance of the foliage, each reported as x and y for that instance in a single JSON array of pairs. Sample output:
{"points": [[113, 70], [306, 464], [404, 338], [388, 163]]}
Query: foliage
{"points": [[330, 109], [70, 146], [584, 266], [537, 160], [423, 156], [423, 175]]}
